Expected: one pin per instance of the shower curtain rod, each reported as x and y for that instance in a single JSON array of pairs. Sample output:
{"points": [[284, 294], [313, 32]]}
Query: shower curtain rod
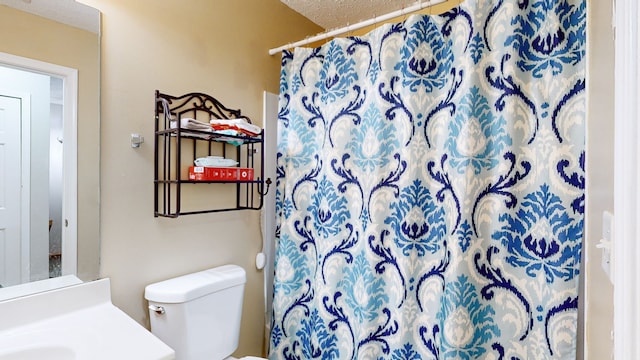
{"points": [[419, 5]]}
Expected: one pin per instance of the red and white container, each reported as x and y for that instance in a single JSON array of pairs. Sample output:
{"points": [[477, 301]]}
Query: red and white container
{"points": [[202, 173]]}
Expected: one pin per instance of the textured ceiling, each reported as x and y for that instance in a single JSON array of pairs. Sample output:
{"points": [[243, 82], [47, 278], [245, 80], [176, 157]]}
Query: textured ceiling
{"points": [[67, 12], [331, 14]]}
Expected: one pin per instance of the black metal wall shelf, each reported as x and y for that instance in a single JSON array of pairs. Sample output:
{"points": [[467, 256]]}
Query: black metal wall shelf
{"points": [[176, 148]]}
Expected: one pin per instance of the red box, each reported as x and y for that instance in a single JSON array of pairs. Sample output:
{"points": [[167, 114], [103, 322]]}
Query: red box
{"points": [[201, 173], [245, 174]]}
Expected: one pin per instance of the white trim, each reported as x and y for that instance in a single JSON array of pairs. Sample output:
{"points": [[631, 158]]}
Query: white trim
{"points": [[25, 188], [268, 223], [626, 271], [70, 174], [70, 109], [419, 5]]}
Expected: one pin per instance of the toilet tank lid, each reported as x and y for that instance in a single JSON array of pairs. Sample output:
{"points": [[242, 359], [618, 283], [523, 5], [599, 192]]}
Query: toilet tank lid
{"points": [[192, 286]]}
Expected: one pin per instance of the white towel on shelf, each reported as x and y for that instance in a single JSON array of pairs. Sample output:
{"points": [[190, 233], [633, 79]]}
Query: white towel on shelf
{"points": [[191, 124], [215, 161]]}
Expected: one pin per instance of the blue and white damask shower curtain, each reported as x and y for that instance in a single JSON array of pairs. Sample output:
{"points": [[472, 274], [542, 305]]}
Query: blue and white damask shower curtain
{"points": [[430, 189]]}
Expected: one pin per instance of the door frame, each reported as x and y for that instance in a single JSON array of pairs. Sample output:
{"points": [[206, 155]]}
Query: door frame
{"points": [[69, 77], [626, 250], [268, 223]]}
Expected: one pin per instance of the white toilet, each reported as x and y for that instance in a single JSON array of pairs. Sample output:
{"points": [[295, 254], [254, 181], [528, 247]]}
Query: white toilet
{"points": [[198, 315]]}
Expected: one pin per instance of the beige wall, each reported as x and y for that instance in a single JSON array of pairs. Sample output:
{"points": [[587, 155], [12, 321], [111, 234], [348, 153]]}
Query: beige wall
{"points": [[599, 167], [41, 39], [216, 47]]}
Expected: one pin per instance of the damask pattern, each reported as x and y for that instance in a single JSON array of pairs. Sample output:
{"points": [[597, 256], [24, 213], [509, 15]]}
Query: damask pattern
{"points": [[430, 188]]}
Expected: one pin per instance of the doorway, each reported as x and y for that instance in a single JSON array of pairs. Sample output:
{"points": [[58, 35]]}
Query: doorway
{"points": [[47, 225]]}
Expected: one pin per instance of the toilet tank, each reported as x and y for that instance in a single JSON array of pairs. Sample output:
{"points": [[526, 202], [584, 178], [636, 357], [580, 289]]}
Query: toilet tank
{"points": [[198, 315]]}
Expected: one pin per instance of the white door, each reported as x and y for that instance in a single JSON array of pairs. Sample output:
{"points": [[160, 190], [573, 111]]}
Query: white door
{"points": [[14, 255]]}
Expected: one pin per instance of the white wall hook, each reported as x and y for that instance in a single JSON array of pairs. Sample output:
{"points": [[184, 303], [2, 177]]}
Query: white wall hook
{"points": [[136, 140]]}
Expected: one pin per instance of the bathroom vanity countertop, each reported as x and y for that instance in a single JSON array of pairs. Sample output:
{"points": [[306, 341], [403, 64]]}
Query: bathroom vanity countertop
{"points": [[76, 322], [33, 287]]}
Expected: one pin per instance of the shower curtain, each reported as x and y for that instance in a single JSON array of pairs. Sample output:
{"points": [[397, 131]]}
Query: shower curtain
{"points": [[430, 188]]}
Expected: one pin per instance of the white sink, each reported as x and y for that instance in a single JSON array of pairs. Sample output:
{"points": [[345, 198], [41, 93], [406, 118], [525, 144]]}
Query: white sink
{"points": [[75, 322]]}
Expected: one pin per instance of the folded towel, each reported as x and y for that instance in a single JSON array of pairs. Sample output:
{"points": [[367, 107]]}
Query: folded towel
{"points": [[234, 127], [240, 125], [230, 140], [191, 124], [215, 161]]}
